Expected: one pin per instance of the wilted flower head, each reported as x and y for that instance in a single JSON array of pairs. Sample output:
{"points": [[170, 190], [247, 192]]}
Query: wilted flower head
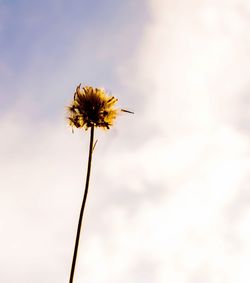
{"points": [[92, 107]]}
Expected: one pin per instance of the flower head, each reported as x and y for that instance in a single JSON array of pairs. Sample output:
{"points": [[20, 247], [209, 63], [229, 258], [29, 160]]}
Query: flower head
{"points": [[92, 107]]}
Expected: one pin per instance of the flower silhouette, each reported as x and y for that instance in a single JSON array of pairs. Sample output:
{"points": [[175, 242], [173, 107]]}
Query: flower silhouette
{"points": [[92, 107]]}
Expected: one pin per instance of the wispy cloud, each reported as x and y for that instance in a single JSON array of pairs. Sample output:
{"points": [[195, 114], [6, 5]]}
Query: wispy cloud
{"points": [[194, 61]]}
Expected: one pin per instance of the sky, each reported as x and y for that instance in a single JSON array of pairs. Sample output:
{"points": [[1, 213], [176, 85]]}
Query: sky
{"points": [[169, 193]]}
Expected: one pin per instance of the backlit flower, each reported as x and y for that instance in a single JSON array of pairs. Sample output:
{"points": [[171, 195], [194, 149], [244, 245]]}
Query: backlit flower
{"points": [[92, 107]]}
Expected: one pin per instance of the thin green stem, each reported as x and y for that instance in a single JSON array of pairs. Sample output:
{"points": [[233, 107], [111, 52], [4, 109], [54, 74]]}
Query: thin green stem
{"points": [[82, 207]]}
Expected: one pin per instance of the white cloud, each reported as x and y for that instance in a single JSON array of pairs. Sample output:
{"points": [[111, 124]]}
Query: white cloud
{"points": [[193, 65]]}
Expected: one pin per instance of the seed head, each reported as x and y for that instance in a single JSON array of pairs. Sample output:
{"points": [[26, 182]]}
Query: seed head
{"points": [[92, 107]]}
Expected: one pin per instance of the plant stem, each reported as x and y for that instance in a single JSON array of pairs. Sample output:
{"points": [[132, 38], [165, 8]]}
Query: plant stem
{"points": [[82, 207]]}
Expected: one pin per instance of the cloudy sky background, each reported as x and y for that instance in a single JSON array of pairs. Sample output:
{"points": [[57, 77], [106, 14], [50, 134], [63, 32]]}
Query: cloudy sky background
{"points": [[169, 194]]}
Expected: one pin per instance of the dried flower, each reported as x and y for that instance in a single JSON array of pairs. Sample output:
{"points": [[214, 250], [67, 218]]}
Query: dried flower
{"points": [[92, 107]]}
